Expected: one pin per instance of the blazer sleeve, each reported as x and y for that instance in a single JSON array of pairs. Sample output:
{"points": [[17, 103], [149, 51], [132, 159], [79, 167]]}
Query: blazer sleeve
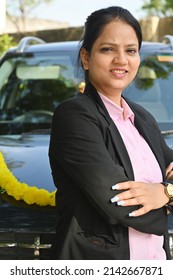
{"points": [[78, 145]]}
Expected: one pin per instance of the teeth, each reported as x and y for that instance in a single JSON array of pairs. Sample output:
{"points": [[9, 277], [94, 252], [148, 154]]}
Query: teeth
{"points": [[119, 71]]}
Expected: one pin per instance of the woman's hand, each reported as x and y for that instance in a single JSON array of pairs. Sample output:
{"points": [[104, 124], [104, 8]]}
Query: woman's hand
{"points": [[149, 195]]}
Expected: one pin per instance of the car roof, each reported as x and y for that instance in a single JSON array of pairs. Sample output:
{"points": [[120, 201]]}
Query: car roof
{"points": [[156, 47], [45, 47], [26, 46]]}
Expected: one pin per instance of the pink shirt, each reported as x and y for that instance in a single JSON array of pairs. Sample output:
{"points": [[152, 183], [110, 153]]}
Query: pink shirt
{"points": [[142, 246]]}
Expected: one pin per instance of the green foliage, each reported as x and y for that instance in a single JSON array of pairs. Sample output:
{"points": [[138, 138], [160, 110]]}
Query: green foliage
{"points": [[6, 42], [161, 8]]}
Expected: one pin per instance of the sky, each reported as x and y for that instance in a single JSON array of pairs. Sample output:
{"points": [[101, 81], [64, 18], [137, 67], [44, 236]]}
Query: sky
{"points": [[75, 12]]}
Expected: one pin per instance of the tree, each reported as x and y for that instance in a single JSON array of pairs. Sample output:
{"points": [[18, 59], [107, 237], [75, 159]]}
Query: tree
{"points": [[19, 10], [6, 42], [160, 8]]}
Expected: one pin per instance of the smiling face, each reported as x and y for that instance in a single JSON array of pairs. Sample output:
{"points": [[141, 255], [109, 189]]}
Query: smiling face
{"points": [[114, 59]]}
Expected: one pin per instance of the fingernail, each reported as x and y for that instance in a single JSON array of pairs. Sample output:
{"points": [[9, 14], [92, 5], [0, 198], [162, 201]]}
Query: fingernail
{"points": [[115, 199], [132, 214], [115, 187], [121, 202]]}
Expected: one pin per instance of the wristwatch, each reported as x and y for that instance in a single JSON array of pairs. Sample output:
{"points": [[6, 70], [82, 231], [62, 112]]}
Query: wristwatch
{"points": [[168, 191]]}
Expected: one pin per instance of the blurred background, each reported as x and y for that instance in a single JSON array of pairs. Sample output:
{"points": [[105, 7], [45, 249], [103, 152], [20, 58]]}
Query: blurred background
{"points": [[63, 20]]}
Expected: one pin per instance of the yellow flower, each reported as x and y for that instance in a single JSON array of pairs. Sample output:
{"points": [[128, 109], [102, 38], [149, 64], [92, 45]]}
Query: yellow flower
{"points": [[21, 191]]}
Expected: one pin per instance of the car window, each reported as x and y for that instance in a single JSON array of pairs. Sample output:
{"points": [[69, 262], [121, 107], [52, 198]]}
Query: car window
{"points": [[152, 88], [32, 86]]}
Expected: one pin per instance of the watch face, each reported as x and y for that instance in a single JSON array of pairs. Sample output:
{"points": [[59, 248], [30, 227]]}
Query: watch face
{"points": [[170, 189]]}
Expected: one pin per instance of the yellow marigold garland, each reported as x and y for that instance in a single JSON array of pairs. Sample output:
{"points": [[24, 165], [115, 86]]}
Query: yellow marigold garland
{"points": [[21, 191]]}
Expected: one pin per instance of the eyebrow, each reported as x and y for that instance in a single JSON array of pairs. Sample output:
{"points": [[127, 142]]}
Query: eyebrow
{"points": [[114, 44]]}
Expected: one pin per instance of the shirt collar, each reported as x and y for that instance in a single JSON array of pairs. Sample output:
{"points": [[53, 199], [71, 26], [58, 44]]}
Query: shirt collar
{"points": [[116, 111]]}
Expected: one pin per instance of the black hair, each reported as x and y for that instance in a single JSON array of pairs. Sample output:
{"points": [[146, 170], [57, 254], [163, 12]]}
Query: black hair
{"points": [[97, 20]]}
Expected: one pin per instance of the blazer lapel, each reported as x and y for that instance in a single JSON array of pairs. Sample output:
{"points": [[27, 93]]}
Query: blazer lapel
{"points": [[147, 132], [117, 140], [121, 150]]}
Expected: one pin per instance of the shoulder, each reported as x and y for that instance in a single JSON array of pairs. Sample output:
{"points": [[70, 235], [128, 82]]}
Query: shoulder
{"points": [[78, 101], [140, 111], [78, 107]]}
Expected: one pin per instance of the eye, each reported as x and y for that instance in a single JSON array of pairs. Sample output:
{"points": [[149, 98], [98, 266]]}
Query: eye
{"points": [[132, 51], [106, 49]]}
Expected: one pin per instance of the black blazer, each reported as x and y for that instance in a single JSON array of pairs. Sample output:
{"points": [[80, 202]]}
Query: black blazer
{"points": [[88, 156]]}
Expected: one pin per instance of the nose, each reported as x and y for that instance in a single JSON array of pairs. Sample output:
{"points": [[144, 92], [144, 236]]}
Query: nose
{"points": [[120, 57]]}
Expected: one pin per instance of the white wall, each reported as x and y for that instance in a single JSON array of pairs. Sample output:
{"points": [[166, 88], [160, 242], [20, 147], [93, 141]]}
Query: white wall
{"points": [[2, 14]]}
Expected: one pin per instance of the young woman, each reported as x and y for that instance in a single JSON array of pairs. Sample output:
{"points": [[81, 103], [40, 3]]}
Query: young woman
{"points": [[107, 155]]}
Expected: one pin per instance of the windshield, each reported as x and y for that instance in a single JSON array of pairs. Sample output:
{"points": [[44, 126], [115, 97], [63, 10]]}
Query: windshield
{"points": [[153, 88], [31, 86]]}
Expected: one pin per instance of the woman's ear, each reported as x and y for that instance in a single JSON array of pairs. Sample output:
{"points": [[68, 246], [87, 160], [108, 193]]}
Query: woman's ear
{"points": [[84, 58]]}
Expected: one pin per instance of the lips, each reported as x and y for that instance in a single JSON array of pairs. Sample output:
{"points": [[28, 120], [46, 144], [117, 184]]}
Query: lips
{"points": [[117, 71]]}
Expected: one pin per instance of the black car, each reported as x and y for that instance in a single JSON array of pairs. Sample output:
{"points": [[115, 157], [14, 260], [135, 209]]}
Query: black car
{"points": [[34, 78]]}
